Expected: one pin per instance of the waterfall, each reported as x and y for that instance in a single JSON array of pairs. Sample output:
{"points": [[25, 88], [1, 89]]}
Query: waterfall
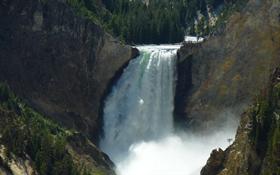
{"points": [[138, 121], [140, 106]]}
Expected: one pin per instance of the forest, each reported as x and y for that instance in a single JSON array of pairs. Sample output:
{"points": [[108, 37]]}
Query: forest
{"points": [[154, 21], [26, 133]]}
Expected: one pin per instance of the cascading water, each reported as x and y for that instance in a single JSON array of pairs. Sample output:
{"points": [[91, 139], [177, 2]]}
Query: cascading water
{"points": [[141, 104], [138, 121]]}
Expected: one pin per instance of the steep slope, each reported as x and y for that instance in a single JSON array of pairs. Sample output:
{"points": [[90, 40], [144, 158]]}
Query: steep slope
{"points": [[228, 70], [31, 144], [58, 62], [256, 149]]}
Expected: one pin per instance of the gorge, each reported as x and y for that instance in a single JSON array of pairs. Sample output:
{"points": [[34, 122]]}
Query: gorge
{"points": [[78, 96]]}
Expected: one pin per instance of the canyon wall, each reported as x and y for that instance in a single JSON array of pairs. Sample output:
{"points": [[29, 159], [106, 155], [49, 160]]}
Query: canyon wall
{"points": [[228, 70], [59, 62], [236, 74], [256, 149]]}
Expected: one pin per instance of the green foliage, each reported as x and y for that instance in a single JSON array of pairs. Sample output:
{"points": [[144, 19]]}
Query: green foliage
{"points": [[26, 132], [90, 10], [226, 12], [273, 155], [273, 151], [261, 123], [159, 21], [136, 22], [265, 134]]}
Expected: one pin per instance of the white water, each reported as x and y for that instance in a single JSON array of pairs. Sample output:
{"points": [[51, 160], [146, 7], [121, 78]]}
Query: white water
{"points": [[193, 39], [138, 122]]}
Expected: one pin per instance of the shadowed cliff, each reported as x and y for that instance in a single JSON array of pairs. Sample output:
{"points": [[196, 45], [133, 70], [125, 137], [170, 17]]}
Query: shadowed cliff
{"points": [[58, 62]]}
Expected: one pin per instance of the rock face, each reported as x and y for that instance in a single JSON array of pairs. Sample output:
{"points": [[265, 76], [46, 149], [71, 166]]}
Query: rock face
{"points": [[16, 165], [60, 63], [215, 163], [83, 153], [256, 149], [227, 73], [184, 80], [228, 70]]}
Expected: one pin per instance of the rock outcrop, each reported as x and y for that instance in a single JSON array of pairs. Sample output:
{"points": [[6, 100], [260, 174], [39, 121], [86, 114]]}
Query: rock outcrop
{"points": [[228, 70], [32, 144], [256, 149], [57, 61], [184, 80], [15, 165], [215, 163]]}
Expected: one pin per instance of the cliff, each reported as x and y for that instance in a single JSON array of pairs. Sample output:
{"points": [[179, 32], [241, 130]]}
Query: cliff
{"points": [[228, 70], [256, 149], [59, 62], [30, 143], [225, 74]]}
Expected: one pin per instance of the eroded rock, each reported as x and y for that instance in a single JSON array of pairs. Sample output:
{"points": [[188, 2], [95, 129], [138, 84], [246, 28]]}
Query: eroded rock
{"points": [[58, 61]]}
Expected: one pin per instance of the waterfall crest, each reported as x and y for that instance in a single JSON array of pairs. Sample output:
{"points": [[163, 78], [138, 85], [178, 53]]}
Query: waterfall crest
{"points": [[140, 105]]}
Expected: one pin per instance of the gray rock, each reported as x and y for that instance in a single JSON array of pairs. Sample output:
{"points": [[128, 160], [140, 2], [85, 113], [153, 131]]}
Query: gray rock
{"points": [[58, 62]]}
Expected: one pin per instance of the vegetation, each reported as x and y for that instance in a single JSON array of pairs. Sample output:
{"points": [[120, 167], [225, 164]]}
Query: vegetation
{"points": [[91, 10], [265, 134], [26, 132], [155, 21], [225, 13], [137, 22]]}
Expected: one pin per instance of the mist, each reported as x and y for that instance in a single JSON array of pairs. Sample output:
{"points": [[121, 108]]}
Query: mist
{"points": [[139, 133], [176, 154]]}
